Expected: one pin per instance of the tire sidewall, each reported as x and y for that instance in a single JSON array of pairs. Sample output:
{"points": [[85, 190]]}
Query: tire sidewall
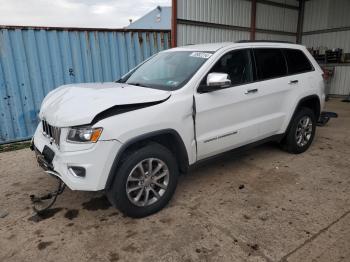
{"points": [[119, 186], [291, 140]]}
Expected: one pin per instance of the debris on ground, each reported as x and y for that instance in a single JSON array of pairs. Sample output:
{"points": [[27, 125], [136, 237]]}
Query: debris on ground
{"points": [[3, 213], [254, 246]]}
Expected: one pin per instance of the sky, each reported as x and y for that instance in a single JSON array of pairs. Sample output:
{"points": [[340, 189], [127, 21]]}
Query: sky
{"points": [[75, 13]]}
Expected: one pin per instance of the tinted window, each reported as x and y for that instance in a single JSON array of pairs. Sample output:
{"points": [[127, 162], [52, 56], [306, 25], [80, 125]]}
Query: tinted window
{"points": [[237, 65], [270, 63], [297, 61]]}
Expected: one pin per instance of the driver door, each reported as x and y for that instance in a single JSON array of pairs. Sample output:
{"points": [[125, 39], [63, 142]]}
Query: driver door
{"points": [[228, 118]]}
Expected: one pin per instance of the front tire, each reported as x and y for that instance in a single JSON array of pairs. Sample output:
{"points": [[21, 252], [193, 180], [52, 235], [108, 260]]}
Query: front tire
{"points": [[301, 132], [145, 181]]}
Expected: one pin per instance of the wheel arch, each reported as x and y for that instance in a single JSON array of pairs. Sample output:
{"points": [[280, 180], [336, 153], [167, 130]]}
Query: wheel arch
{"points": [[312, 101], [166, 137]]}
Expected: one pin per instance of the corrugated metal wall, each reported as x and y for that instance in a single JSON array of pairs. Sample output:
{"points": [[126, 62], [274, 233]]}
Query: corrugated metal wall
{"points": [[225, 12], [330, 40], [33, 62], [275, 37], [276, 18], [340, 82], [189, 34], [288, 2], [234, 13], [327, 24], [327, 15]]}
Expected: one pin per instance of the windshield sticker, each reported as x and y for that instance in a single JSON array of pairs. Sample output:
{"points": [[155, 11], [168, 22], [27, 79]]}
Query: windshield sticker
{"points": [[201, 55]]}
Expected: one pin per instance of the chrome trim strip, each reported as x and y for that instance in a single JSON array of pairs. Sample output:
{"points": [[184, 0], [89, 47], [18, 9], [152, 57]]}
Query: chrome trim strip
{"points": [[221, 136], [51, 132]]}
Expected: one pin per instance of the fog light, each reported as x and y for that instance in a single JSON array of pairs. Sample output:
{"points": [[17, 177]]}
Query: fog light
{"points": [[77, 171]]}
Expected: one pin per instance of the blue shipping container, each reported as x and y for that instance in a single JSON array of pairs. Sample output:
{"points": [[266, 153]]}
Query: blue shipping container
{"points": [[34, 60]]}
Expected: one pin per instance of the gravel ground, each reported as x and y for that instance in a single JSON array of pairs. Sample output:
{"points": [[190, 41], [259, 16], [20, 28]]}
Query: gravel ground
{"points": [[262, 205]]}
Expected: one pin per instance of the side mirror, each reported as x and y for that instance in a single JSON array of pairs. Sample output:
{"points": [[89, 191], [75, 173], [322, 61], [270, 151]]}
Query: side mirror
{"points": [[215, 81], [218, 80]]}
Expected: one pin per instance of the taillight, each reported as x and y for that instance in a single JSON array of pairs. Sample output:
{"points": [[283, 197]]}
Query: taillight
{"points": [[327, 73], [324, 76]]}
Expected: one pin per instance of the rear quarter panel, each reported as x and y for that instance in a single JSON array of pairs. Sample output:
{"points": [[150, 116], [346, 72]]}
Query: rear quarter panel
{"points": [[312, 84]]}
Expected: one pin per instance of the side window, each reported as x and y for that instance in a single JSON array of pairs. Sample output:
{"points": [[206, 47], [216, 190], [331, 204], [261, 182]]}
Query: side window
{"points": [[237, 64], [297, 61], [270, 63]]}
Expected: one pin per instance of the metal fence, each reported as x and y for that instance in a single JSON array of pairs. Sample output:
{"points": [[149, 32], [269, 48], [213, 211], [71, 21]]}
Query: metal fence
{"points": [[34, 60]]}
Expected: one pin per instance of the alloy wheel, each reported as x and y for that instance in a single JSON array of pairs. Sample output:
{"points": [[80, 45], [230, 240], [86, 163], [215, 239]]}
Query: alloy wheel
{"points": [[303, 132], [147, 182]]}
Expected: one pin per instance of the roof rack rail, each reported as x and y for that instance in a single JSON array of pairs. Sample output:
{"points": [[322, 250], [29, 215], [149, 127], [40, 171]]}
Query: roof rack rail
{"points": [[263, 41]]}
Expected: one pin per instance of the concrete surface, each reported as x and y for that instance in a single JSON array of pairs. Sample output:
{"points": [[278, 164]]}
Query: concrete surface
{"points": [[292, 208]]}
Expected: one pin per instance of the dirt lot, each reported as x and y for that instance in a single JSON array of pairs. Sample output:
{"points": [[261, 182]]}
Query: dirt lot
{"points": [[263, 205]]}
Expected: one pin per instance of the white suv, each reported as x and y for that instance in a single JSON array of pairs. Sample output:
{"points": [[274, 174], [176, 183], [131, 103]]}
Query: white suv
{"points": [[133, 137]]}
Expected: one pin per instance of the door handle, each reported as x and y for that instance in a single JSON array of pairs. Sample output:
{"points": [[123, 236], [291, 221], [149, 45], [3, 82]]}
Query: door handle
{"points": [[291, 82], [250, 91]]}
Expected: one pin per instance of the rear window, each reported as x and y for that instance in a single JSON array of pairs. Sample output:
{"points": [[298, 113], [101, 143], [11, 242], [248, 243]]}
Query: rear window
{"points": [[270, 63], [297, 61]]}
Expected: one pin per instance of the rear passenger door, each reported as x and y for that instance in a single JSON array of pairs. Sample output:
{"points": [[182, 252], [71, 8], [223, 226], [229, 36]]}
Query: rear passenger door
{"points": [[274, 89], [299, 79]]}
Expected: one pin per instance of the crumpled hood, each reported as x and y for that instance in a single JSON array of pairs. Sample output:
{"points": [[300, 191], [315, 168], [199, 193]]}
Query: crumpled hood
{"points": [[78, 104]]}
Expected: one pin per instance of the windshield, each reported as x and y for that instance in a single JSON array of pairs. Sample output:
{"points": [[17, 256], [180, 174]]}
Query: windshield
{"points": [[167, 71]]}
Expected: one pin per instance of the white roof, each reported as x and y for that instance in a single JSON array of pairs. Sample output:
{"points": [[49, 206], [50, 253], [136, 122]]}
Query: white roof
{"points": [[213, 47]]}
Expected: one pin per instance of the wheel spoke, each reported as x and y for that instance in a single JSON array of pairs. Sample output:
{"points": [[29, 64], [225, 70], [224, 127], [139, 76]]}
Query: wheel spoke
{"points": [[137, 198], [159, 167], [150, 166], [134, 179], [146, 197], [306, 122], [299, 139], [162, 186], [140, 166], [155, 193], [161, 175], [134, 189]]}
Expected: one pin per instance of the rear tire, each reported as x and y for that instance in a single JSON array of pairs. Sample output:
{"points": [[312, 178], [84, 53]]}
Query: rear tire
{"points": [[301, 132], [145, 181]]}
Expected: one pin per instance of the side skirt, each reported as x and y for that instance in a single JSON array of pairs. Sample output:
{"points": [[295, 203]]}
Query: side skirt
{"points": [[235, 151]]}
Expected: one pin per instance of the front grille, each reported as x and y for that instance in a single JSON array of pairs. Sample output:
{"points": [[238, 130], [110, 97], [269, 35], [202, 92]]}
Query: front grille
{"points": [[53, 133]]}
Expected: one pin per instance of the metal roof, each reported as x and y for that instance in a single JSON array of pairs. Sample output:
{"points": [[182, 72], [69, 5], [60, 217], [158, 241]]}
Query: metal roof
{"points": [[159, 18]]}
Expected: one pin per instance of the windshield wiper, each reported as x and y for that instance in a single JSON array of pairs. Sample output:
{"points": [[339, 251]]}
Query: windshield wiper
{"points": [[138, 84]]}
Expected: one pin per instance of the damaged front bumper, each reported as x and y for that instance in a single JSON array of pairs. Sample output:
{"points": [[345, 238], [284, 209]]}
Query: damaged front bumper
{"points": [[83, 169]]}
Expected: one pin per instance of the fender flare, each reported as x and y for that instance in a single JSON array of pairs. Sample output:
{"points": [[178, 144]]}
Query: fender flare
{"points": [[182, 160], [302, 100]]}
